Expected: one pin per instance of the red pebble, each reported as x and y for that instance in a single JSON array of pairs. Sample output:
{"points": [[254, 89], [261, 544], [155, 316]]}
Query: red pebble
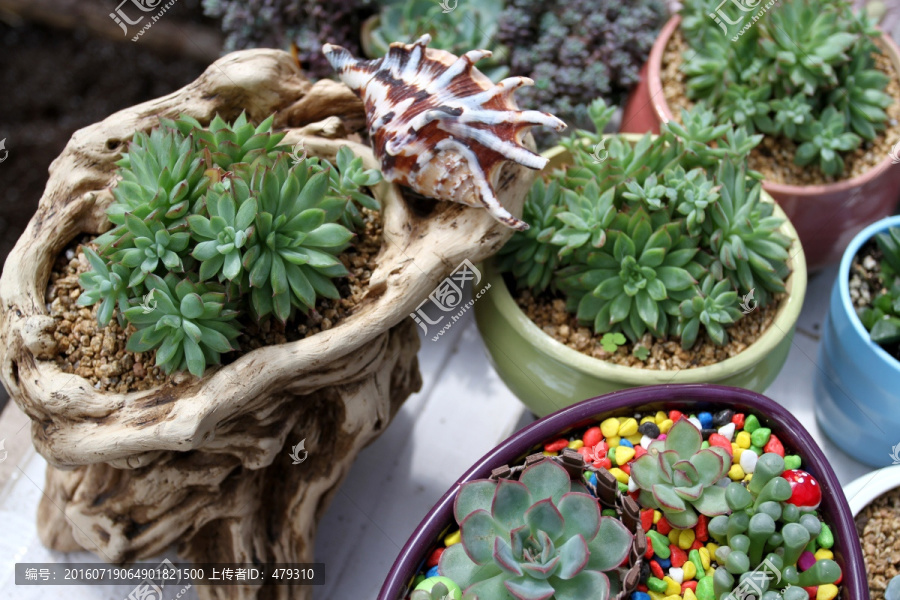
{"points": [[649, 553], [592, 437], [434, 557], [663, 526], [642, 588], [626, 468], [701, 531], [557, 445], [679, 556], [738, 420], [721, 441], [805, 490], [839, 579], [697, 544], [657, 570], [689, 585], [774, 445], [675, 415], [639, 451], [603, 463], [585, 452], [811, 590], [647, 519]]}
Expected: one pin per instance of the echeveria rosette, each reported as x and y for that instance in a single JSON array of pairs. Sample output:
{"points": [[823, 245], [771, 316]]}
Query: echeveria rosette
{"points": [[584, 218], [882, 319], [861, 97], [692, 194], [528, 255], [637, 279], [105, 284], [293, 254], [222, 237], [151, 245], [226, 145], [790, 115], [824, 140], [347, 178], [747, 107], [190, 325], [679, 478], [715, 307], [534, 538]]}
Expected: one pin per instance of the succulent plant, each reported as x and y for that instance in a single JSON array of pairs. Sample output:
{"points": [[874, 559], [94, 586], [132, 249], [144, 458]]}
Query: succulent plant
{"points": [[679, 478], [889, 244], [882, 319], [151, 244], [539, 536], [451, 30], [190, 326], [584, 218], [438, 592], [805, 72], [106, 285], [347, 179], [232, 144], [527, 255], [692, 194], [578, 51], [222, 237], [716, 307]]}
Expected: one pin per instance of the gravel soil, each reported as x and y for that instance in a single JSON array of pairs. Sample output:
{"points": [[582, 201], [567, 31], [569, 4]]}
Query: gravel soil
{"points": [[865, 282], [878, 526]]}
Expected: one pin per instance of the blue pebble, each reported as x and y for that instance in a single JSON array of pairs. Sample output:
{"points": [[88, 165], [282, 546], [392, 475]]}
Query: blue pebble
{"points": [[432, 572], [593, 479], [665, 563], [705, 419], [626, 443], [640, 596]]}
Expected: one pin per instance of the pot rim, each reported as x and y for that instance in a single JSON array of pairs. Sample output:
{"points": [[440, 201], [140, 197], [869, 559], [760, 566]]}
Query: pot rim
{"points": [[789, 429], [664, 114], [888, 361], [785, 318], [865, 489]]}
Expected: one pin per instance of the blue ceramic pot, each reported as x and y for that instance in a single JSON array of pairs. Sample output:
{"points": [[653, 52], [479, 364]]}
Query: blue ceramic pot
{"points": [[858, 384]]}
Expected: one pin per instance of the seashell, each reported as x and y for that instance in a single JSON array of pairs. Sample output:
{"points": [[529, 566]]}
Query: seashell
{"points": [[439, 125]]}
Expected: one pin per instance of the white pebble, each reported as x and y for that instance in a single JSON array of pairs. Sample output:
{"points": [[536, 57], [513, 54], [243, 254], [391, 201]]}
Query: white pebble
{"points": [[632, 485], [70, 254], [727, 431], [696, 422], [645, 442], [748, 461], [677, 574]]}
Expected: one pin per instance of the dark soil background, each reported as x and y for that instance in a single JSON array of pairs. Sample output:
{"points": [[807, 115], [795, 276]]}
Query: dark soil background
{"points": [[55, 81]]}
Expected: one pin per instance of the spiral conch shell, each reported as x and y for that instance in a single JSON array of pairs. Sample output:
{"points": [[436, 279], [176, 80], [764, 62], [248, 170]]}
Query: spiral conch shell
{"points": [[439, 125]]}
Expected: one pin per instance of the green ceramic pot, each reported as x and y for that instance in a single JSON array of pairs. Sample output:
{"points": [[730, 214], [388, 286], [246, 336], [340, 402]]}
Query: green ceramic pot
{"points": [[547, 375]]}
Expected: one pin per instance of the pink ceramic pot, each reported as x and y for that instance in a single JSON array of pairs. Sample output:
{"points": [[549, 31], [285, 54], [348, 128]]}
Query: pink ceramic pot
{"points": [[826, 217]]}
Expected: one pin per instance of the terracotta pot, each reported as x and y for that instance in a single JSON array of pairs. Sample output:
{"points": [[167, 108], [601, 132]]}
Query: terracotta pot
{"points": [[826, 216], [796, 439]]}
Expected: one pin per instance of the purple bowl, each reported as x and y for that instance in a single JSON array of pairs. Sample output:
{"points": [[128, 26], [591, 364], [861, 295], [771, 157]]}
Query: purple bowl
{"points": [[694, 397]]}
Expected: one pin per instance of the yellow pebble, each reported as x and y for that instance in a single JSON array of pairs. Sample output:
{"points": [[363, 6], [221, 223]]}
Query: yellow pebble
{"points": [[743, 439], [665, 426], [453, 538], [736, 452], [823, 553], [685, 539], [545, 453], [628, 427], [656, 595], [690, 570], [656, 516], [826, 592], [609, 427], [613, 441], [748, 477], [689, 594], [673, 536], [620, 475], [660, 417], [710, 572], [576, 444], [635, 439], [736, 473], [673, 596], [674, 587], [704, 557], [624, 454], [648, 419]]}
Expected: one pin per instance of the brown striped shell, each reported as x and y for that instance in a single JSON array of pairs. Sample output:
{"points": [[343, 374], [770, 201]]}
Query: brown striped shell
{"points": [[439, 125]]}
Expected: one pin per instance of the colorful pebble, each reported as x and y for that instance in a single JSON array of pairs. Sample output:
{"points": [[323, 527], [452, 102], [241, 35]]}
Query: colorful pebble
{"points": [[743, 439], [673, 588], [685, 539], [454, 591], [592, 437], [748, 461], [655, 584], [751, 424], [705, 589], [791, 461], [609, 427], [660, 544], [727, 431], [761, 436], [827, 592], [453, 538], [825, 538], [689, 570], [806, 560], [434, 557]]}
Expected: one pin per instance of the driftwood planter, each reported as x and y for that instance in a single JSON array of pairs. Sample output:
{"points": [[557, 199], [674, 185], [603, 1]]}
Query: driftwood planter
{"points": [[204, 462]]}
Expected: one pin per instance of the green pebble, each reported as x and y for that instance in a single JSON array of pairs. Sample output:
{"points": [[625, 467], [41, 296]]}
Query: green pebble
{"points": [[694, 557], [658, 585], [623, 487], [761, 436], [609, 512], [612, 456], [751, 424], [587, 475], [791, 461], [704, 589], [826, 538], [660, 544], [419, 579], [704, 445], [757, 449]]}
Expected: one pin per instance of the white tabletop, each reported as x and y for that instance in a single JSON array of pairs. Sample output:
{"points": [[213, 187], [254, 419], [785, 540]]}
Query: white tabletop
{"points": [[462, 412]]}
